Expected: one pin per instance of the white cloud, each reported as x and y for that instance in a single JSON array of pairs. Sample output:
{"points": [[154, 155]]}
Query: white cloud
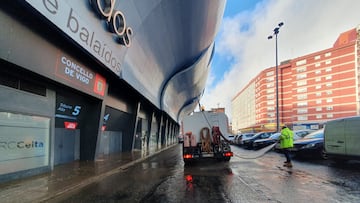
{"points": [[309, 26]]}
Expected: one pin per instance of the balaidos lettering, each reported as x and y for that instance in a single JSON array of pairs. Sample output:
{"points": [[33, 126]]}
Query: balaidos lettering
{"points": [[115, 19]]}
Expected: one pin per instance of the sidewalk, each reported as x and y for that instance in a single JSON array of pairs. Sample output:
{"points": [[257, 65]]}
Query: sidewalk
{"points": [[67, 177]]}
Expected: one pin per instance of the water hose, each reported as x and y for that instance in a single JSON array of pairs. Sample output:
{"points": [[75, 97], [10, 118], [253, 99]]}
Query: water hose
{"points": [[205, 139], [258, 153]]}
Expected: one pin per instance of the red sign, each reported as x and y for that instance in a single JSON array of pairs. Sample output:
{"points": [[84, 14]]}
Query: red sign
{"points": [[69, 70], [70, 125], [103, 128], [99, 85]]}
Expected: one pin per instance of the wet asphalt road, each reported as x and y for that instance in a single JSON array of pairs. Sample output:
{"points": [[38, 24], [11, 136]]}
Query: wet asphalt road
{"points": [[164, 178]]}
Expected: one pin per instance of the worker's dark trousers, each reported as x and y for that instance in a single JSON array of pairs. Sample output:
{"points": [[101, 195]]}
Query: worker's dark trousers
{"points": [[287, 155]]}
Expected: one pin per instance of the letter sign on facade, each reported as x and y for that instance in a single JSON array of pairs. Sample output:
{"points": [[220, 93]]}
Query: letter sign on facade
{"points": [[115, 19]]}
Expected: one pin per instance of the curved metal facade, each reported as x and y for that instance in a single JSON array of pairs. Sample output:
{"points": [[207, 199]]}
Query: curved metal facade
{"points": [[172, 44], [161, 48]]}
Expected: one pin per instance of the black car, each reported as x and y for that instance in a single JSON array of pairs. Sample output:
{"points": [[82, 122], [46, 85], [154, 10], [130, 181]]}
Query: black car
{"points": [[312, 145], [260, 143], [248, 142]]}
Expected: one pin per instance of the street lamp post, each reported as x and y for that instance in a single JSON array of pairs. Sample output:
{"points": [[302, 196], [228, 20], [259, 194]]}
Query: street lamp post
{"points": [[276, 32]]}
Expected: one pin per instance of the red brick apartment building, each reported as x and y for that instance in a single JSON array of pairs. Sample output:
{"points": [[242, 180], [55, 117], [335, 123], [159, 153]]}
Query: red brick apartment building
{"points": [[313, 89]]}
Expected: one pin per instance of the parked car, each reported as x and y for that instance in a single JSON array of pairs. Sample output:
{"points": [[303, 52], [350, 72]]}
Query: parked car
{"points": [[230, 137], [298, 134], [260, 143], [312, 145], [235, 139], [238, 139], [181, 138], [248, 142]]}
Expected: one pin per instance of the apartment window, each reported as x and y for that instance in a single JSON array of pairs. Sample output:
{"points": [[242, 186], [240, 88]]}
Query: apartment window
{"points": [[269, 79], [329, 92], [318, 94], [329, 115], [301, 69], [329, 108], [270, 85], [318, 109], [270, 103], [301, 83], [302, 111], [318, 116], [271, 115], [301, 76], [302, 97], [318, 79], [328, 54], [318, 101], [328, 62], [328, 69], [317, 72], [317, 57], [271, 108], [329, 100], [270, 97], [328, 85], [270, 73], [318, 87], [302, 90], [302, 62], [328, 77], [302, 104], [317, 64], [270, 91], [302, 118]]}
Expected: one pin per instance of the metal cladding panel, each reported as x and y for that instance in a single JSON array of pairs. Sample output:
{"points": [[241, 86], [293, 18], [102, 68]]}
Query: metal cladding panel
{"points": [[186, 110], [187, 84], [172, 37]]}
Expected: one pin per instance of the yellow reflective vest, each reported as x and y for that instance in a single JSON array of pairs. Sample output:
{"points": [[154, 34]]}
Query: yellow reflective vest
{"points": [[286, 138]]}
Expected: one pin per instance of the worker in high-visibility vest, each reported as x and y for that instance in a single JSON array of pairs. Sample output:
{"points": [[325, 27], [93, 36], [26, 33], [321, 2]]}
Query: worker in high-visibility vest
{"points": [[286, 142]]}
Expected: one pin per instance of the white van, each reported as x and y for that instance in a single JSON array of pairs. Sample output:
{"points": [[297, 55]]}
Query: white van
{"points": [[342, 138]]}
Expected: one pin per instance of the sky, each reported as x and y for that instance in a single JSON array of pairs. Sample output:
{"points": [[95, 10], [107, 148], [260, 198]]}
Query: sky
{"points": [[242, 49]]}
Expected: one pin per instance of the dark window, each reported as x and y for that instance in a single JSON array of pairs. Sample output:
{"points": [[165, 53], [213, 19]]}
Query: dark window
{"points": [[32, 87], [25, 85], [9, 80]]}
